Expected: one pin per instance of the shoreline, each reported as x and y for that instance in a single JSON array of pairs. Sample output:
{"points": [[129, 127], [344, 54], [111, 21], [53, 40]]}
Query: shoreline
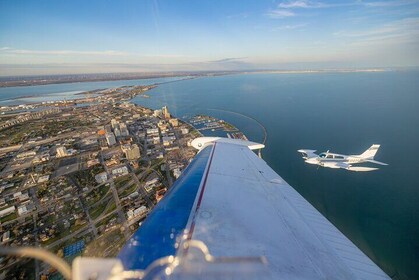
{"points": [[86, 93], [22, 81], [26, 82]]}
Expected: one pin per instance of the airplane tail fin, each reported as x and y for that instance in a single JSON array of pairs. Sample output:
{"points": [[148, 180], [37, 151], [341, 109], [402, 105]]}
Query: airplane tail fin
{"points": [[370, 153]]}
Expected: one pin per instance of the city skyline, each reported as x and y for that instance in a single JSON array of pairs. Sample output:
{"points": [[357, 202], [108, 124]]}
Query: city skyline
{"points": [[46, 37]]}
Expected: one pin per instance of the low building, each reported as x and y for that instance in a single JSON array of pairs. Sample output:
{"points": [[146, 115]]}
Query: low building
{"points": [[149, 185], [61, 152], [139, 211], [92, 162], [25, 209], [23, 197], [168, 140], [158, 113], [156, 140], [160, 194], [7, 211], [136, 212], [177, 172], [120, 171], [26, 154], [41, 158], [174, 122], [43, 179], [101, 177], [151, 131]]}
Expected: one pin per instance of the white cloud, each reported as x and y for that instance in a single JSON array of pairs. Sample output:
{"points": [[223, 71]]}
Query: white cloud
{"points": [[294, 4], [61, 52], [388, 3], [396, 33], [301, 4], [286, 8], [4, 51], [290, 26], [280, 13]]}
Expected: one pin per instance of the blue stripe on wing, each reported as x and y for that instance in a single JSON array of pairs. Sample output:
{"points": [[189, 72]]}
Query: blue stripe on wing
{"points": [[157, 235]]}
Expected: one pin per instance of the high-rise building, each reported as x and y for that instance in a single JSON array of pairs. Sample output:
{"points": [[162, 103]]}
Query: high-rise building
{"points": [[62, 152], [131, 151], [166, 113], [110, 138], [108, 128], [124, 130], [114, 123], [117, 132]]}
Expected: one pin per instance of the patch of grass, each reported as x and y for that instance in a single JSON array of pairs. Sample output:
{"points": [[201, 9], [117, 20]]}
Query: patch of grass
{"points": [[122, 181], [111, 207], [7, 218], [97, 194], [97, 210], [129, 190]]}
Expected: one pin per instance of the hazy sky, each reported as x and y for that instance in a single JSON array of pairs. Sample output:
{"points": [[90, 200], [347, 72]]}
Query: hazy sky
{"points": [[114, 36]]}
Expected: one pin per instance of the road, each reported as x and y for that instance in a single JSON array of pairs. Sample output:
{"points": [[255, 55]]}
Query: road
{"points": [[140, 188], [121, 214], [83, 204]]}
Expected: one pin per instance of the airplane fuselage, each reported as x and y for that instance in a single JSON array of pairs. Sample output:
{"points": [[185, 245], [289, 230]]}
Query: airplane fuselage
{"points": [[332, 157]]}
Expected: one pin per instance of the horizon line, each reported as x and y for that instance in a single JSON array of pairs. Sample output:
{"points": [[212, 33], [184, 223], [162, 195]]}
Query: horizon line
{"points": [[184, 72]]}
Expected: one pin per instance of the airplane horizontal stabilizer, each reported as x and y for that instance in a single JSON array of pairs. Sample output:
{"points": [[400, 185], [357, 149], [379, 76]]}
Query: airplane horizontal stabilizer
{"points": [[377, 162], [307, 153]]}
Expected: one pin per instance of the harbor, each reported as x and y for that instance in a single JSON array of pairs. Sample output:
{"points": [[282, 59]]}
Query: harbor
{"points": [[211, 126]]}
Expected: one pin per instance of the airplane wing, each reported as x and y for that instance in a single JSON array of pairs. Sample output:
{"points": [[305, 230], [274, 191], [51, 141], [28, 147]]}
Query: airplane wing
{"points": [[336, 165], [361, 168], [231, 216], [347, 166]]}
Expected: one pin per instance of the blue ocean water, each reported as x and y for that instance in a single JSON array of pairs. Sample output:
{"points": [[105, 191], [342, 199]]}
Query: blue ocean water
{"points": [[340, 112]]}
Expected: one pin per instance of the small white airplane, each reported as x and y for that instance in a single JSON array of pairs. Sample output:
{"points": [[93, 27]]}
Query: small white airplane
{"points": [[333, 160]]}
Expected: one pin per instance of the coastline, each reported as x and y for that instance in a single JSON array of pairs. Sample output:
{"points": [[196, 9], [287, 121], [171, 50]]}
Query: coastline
{"points": [[22, 81]]}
